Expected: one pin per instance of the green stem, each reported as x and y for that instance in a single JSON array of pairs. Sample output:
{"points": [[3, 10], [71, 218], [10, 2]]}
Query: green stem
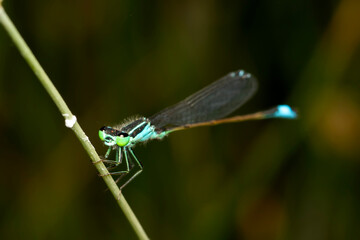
{"points": [[70, 120]]}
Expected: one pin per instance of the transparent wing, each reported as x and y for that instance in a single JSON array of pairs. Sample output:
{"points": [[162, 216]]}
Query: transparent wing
{"points": [[215, 101]]}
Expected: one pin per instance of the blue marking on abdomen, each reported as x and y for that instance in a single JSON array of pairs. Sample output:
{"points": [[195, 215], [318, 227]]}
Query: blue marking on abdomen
{"points": [[284, 111]]}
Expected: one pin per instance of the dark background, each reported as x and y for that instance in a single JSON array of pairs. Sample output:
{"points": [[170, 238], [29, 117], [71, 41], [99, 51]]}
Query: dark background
{"points": [[271, 179]]}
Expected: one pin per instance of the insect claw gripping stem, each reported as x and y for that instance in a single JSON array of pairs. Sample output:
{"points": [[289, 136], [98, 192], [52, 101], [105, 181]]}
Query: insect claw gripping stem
{"points": [[104, 175], [130, 161], [99, 161], [117, 163], [105, 161]]}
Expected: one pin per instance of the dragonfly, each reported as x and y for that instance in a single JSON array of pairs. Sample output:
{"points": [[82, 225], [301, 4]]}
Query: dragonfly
{"points": [[206, 107]]}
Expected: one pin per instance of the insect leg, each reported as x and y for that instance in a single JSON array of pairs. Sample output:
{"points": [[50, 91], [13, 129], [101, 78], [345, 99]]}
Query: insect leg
{"points": [[136, 173]]}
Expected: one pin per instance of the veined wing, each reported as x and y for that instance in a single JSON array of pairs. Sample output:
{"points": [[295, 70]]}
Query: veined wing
{"points": [[215, 101]]}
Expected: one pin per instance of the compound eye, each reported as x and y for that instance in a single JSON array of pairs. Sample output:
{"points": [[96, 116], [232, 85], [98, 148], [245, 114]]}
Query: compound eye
{"points": [[122, 139], [102, 133]]}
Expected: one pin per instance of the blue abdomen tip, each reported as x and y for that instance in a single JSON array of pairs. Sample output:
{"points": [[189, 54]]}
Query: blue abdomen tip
{"points": [[285, 111]]}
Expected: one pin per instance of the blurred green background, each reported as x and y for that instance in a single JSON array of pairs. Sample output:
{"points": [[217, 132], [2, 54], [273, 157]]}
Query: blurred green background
{"points": [[271, 179]]}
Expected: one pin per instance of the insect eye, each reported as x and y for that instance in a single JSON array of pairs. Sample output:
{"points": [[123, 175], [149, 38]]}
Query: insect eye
{"points": [[122, 139], [102, 133]]}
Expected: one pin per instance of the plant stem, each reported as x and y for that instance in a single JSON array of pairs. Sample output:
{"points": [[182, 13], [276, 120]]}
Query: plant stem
{"points": [[70, 120]]}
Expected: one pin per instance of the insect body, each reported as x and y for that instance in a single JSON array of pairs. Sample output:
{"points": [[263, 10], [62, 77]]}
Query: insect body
{"points": [[203, 108]]}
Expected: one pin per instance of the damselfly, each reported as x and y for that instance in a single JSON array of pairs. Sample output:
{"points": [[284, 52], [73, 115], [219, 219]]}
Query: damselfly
{"points": [[204, 108]]}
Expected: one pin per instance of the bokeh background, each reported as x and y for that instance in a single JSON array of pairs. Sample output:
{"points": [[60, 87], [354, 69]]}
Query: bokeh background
{"points": [[271, 179]]}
